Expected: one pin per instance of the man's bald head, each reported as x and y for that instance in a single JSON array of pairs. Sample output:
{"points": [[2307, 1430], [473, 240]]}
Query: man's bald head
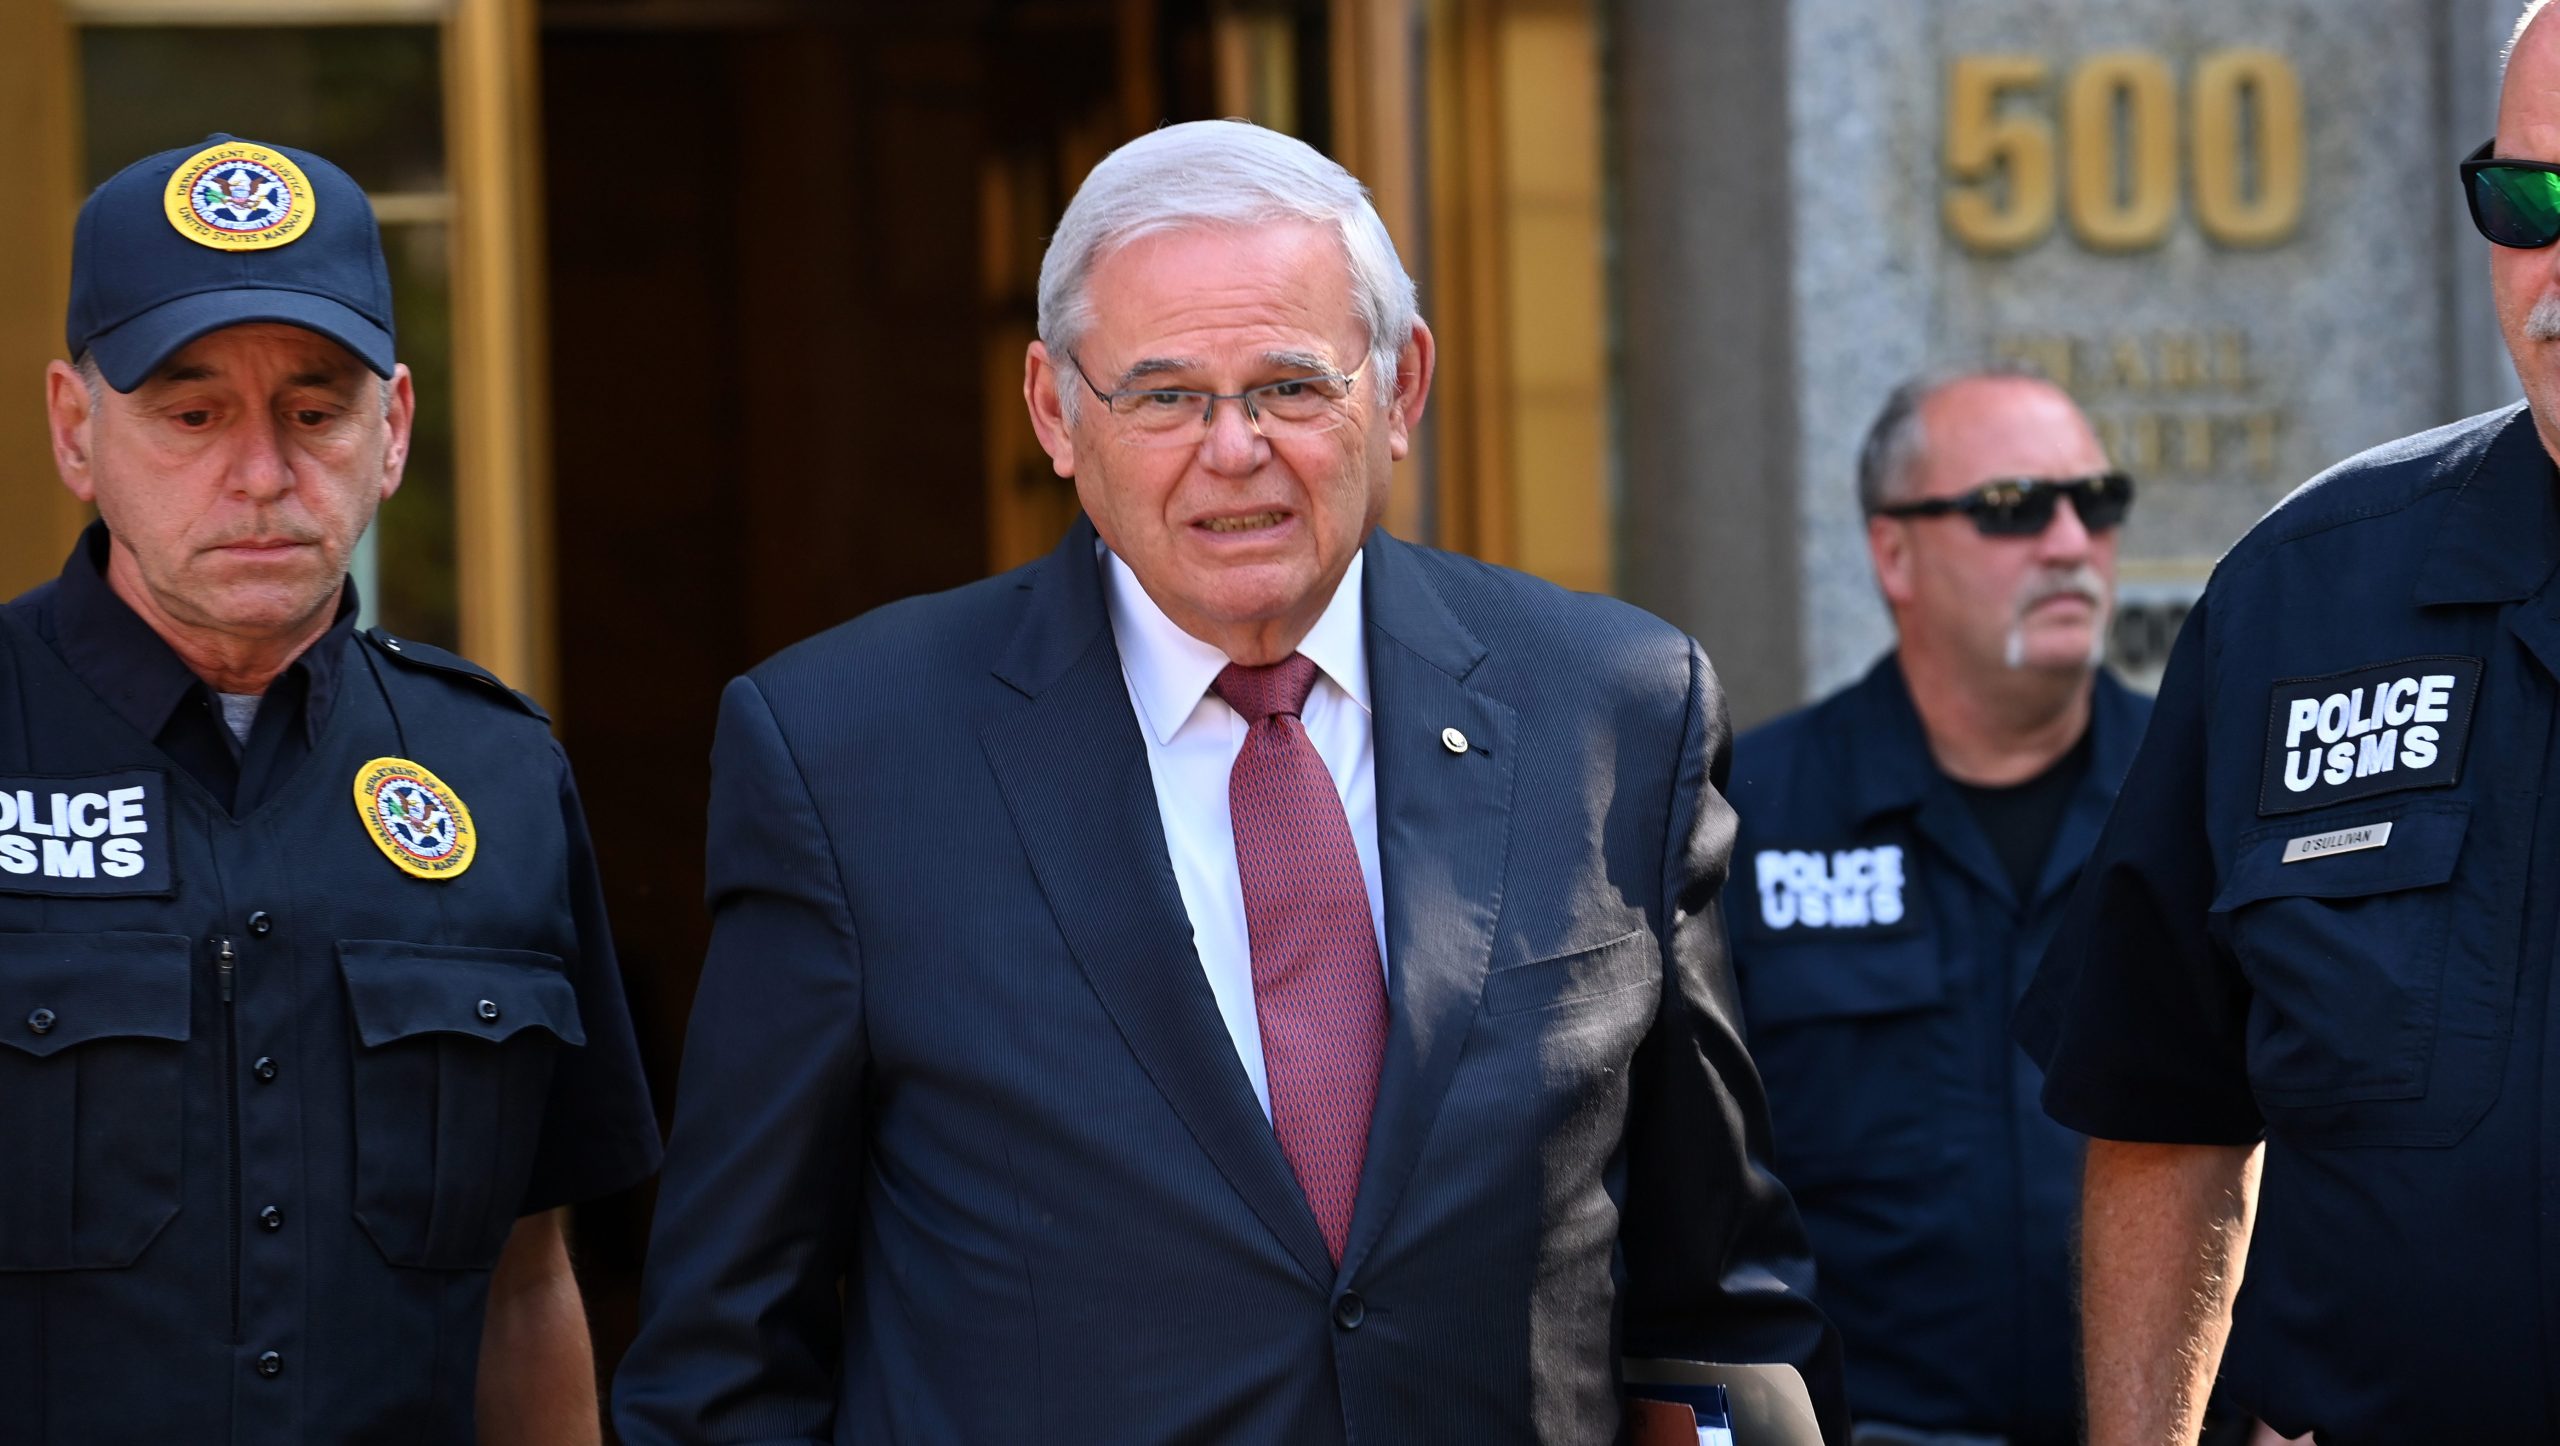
{"points": [[2532, 11]]}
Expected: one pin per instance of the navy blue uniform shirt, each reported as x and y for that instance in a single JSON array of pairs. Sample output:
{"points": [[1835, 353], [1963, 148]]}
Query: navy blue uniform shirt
{"points": [[1881, 946], [2323, 915], [270, 1102]]}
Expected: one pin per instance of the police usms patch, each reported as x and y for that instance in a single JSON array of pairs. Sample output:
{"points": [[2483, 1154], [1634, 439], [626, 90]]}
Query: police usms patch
{"points": [[1866, 890], [91, 834], [239, 197], [2380, 729], [415, 818]]}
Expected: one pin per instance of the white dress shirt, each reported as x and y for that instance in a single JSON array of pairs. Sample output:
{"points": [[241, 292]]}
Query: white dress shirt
{"points": [[1193, 738]]}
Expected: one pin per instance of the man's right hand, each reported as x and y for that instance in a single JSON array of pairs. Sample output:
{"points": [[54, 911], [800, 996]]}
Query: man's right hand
{"points": [[2164, 1234]]}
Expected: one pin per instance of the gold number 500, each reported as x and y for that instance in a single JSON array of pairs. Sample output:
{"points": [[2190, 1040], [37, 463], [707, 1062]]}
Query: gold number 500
{"points": [[2119, 120]]}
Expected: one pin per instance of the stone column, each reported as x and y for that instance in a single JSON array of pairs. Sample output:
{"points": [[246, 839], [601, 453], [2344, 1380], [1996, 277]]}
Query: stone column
{"points": [[1706, 419]]}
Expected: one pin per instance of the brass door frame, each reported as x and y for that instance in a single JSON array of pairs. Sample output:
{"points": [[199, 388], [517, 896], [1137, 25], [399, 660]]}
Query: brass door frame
{"points": [[501, 356], [1517, 226], [40, 104]]}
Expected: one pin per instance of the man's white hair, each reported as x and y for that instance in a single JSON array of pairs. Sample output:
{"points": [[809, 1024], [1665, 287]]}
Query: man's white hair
{"points": [[1220, 173], [2523, 22]]}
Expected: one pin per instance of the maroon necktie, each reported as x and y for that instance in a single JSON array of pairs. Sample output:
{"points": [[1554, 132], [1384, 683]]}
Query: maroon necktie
{"points": [[1317, 988]]}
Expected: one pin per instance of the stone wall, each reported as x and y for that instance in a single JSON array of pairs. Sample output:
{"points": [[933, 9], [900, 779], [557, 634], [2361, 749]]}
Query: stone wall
{"points": [[2232, 231]]}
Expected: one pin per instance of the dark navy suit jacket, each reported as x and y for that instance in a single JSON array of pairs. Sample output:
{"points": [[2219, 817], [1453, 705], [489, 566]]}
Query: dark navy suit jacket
{"points": [[963, 1152]]}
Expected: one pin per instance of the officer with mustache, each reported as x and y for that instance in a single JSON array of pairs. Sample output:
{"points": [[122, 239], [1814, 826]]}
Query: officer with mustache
{"points": [[2303, 1000], [1906, 846]]}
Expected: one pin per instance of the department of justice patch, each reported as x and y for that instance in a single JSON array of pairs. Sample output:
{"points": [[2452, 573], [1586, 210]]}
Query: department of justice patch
{"points": [[415, 818], [2365, 731], [87, 834], [239, 197]]}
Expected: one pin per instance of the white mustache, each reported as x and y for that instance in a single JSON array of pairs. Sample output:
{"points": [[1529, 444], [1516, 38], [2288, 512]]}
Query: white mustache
{"points": [[2543, 322], [2082, 581]]}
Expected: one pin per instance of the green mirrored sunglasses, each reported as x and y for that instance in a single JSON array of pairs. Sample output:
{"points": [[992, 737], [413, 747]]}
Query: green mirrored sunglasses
{"points": [[2514, 203]]}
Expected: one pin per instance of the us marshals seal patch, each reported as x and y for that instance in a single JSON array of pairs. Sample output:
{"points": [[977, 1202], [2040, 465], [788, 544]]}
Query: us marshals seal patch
{"points": [[415, 818], [239, 197]]}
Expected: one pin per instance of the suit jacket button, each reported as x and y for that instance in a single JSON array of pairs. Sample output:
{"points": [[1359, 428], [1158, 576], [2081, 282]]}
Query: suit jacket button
{"points": [[41, 1021], [270, 1364], [1349, 1311]]}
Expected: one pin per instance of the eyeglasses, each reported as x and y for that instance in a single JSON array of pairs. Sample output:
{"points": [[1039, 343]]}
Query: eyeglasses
{"points": [[1180, 416], [2514, 203], [2023, 506]]}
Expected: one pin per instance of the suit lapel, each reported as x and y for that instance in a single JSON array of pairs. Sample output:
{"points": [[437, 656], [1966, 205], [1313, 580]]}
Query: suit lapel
{"points": [[1444, 824], [1073, 770]]}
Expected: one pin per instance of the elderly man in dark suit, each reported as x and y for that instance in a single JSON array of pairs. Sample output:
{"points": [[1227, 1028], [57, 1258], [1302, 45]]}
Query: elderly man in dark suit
{"points": [[1241, 978]]}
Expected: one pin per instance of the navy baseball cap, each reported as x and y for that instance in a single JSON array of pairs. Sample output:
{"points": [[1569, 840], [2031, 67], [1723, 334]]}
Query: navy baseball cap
{"points": [[221, 233]]}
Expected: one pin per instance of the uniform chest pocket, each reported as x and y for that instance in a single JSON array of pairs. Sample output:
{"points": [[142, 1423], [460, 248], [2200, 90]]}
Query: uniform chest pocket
{"points": [[2380, 994], [93, 1031], [1850, 1034], [454, 1049]]}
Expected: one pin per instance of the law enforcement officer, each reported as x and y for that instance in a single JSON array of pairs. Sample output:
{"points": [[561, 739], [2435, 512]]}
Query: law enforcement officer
{"points": [[1906, 846], [2308, 974], [309, 1019]]}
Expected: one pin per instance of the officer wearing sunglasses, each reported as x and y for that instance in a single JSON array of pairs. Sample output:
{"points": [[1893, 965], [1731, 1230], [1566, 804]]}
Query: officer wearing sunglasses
{"points": [[2304, 997], [1906, 848]]}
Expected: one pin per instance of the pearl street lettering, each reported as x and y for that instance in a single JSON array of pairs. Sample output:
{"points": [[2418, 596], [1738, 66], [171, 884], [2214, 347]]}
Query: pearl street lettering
{"points": [[99, 834], [2373, 730], [1841, 889]]}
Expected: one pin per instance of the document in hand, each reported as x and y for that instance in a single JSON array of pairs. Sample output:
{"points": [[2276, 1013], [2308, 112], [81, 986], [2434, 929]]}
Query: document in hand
{"points": [[1718, 1404], [1654, 1422]]}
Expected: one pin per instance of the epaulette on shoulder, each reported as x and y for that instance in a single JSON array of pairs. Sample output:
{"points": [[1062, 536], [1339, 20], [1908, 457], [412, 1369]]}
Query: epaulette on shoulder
{"points": [[416, 654]]}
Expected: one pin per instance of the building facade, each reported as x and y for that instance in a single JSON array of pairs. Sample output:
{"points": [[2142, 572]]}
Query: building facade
{"points": [[718, 306]]}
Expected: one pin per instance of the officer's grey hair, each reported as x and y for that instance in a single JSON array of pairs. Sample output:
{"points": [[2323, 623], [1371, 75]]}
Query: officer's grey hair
{"points": [[1219, 173], [96, 381], [2516, 36], [1896, 441]]}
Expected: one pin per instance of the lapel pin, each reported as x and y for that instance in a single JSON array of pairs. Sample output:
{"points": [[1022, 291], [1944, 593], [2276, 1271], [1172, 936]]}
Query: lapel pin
{"points": [[1453, 740]]}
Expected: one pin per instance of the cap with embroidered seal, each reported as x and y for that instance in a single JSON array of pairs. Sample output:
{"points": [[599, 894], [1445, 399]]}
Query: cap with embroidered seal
{"points": [[224, 233]]}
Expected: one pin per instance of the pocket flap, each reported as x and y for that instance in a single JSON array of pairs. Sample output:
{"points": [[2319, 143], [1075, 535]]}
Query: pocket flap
{"points": [[1627, 960], [60, 990], [1815, 978], [2419, 850], [401, 990]]}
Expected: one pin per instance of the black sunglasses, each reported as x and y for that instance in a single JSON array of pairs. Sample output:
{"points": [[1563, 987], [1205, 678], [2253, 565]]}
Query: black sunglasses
{"points": [[2023, 506], [2514, 203]]}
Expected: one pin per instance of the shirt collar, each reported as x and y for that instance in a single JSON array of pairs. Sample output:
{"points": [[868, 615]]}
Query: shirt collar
{"points": [[2495, 540], [1891, 768], [1169, 670], [137, 674]]}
